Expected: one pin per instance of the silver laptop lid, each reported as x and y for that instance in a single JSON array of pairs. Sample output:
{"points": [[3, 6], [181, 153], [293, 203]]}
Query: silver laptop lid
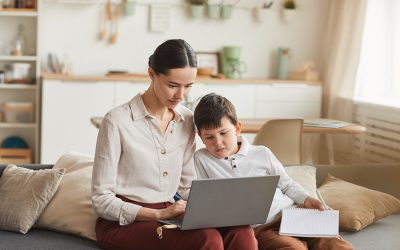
{"points": [[229, 202]]}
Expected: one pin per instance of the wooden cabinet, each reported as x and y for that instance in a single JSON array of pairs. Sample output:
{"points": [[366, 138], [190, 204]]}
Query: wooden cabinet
{"points": [[67, 106], [266, 100], [20, 90], [125, 91], [241, 95], [287, 100]]}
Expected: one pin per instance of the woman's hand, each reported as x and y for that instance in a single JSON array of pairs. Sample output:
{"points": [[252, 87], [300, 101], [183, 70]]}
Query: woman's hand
{"points": [[175, 210], [311, 202]]}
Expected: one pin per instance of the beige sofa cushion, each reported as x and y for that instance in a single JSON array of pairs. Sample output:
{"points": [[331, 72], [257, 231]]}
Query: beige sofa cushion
{"points": [[24, 195], [306, 176], [358, 206], [71, 211]]}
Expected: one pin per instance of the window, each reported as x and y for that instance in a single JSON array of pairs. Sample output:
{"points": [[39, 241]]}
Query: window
{"points": [[378, 76]]}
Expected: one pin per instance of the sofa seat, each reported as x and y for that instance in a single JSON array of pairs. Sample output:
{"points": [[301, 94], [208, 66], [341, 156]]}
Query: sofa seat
{"points": [[44, 239], [381, 235]]}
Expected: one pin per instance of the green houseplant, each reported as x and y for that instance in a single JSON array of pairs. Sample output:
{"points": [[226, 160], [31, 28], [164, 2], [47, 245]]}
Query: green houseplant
{"points": [[289, 4], [289, 10]]}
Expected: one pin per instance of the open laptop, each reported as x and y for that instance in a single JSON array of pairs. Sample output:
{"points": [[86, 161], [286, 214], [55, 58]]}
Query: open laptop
{"points": [[227, 202]]}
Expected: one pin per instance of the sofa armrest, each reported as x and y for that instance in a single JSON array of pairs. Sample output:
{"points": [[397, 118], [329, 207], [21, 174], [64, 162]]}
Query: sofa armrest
{"points": [[384, 177]]}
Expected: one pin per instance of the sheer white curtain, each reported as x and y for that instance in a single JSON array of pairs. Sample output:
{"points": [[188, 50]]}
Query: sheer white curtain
{"points": [[341, 54], [378, 76]]}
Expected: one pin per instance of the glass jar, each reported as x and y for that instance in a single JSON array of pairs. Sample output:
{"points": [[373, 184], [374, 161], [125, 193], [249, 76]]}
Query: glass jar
{"points": [[2, 76], [19, 43]]}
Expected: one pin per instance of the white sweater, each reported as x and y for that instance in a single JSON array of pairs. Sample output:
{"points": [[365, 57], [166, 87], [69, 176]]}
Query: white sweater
{"points": [[252, 160]]}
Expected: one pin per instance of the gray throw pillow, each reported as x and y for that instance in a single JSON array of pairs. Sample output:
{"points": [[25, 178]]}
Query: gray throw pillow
{"points": [[24, 194]]}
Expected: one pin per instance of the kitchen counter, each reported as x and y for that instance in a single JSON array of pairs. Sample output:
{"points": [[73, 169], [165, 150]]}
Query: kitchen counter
{"points": [[93, 96], [140, 78]]}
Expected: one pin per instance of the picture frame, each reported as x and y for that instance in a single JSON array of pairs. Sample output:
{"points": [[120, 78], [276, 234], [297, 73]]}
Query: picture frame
{"points": [[209, 60]]}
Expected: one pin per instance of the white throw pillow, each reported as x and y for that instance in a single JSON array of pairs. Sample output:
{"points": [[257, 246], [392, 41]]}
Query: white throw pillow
{"points": [[70, 210], [306, 176]]}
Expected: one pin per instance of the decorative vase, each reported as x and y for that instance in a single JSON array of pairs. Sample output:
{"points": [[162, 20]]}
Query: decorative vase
{"points": [[283, 63]]}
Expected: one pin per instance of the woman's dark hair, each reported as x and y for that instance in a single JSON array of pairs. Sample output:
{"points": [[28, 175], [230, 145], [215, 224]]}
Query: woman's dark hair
{"points": [[210, 111], [172, 54]]}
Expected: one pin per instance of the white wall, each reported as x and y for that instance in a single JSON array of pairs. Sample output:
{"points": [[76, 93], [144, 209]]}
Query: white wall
{"points": [[72, 29]]}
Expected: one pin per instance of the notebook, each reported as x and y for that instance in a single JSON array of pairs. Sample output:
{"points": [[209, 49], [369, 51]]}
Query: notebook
{"points": [[303, 222], [227, 202]]}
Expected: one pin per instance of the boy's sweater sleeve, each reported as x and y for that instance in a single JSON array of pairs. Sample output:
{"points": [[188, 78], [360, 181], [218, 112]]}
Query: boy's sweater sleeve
{"points": [[286, 184]]}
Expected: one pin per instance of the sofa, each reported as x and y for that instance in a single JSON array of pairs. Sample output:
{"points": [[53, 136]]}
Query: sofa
{"points": [[381, 235]]}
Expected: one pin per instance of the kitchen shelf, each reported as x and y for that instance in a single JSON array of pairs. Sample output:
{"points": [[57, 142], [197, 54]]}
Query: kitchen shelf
{"points": [[17, 125], [18, 86], [22, 90], [18, 58], [144, 78], [18, 12]]}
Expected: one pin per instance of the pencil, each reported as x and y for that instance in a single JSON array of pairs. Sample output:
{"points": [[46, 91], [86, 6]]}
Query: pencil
{"points": [[321, 199]]}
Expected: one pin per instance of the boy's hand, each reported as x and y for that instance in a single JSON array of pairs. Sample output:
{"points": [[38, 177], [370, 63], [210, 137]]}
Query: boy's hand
{"points": [[311, 202]]}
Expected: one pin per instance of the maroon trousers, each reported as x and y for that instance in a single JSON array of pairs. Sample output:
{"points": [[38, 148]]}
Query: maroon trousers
{"points": [[143, 235]]}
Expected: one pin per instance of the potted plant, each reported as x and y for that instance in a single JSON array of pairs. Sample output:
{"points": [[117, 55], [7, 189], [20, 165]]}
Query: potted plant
{"points": [[197, 8], [226, 11], [289, 10], [289, 4], [214, 9]]}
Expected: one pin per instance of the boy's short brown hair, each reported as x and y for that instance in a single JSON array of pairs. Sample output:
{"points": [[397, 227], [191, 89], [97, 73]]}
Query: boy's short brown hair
{"points": [[210, 111]]}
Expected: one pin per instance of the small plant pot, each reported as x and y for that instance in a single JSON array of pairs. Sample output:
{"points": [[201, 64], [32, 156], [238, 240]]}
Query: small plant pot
{"points": [[214, 11], [196, 11], [128, 7], [288, 15], [226, 11], [261, 14]]}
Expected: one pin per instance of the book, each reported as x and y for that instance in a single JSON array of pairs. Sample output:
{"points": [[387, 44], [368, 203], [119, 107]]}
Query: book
{"points": [[325, 123], [303, 222]]}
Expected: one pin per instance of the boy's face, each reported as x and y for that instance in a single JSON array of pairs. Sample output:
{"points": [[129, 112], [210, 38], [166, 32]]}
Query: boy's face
{"points": [[221, 142]]}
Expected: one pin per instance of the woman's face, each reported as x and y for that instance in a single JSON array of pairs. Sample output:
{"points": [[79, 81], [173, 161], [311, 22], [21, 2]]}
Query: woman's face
{"points": [[172, 88]]}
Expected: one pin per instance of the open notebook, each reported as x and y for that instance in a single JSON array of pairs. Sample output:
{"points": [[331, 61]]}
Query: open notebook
{"points": [[303, 222]]}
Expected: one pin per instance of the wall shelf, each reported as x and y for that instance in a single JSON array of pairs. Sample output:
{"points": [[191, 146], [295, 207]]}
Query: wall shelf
{"points": [[17, 125], [18, 12], [18, 86], [18, 58]]}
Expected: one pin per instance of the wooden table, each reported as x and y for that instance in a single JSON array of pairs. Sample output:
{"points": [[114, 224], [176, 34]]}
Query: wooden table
{"points": [[254, 125]]}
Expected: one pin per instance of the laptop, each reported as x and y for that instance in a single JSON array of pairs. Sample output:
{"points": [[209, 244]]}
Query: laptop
{"points": [[227, 202]]}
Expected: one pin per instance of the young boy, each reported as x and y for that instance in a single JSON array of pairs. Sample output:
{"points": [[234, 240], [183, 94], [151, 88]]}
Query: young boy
{"points": [[227, 154]]}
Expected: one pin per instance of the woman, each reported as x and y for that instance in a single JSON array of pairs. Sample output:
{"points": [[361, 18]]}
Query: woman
{"points": [[144, 155]]}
